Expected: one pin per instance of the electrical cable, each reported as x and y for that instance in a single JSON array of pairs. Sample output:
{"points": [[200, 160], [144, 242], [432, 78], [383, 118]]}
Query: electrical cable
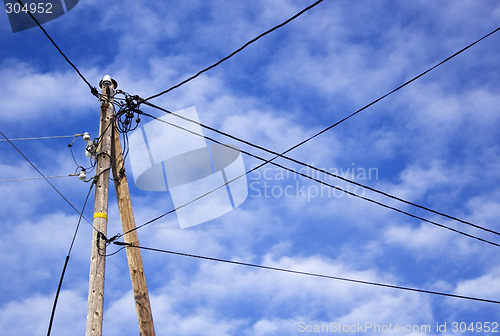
{"points": [[346, 118], [391, 92], [46, 179], [306, 176], [97, 142], [98, 139], [93, 90], [279, 269], [237, 50], [337, 123], [110, 254], [42, 138], [369, 105], [92, 165], [37, 178], [66, 263], [311, 167]]}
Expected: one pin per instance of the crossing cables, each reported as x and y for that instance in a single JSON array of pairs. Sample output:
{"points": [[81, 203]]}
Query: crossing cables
{"points": [[43, 176], [308, 177]]}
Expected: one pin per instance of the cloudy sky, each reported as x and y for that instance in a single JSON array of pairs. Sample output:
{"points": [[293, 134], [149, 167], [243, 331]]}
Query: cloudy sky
{"points": [[434, 142]]}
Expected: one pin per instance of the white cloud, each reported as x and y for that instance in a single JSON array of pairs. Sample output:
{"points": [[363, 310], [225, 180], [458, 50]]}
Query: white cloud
{"points": [[38, 96], [485, 286], [31, 315], [434, 142]]}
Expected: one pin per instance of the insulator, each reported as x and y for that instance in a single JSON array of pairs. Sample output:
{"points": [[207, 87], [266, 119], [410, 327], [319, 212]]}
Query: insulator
{"points": [[82, 176], [90, 149]]}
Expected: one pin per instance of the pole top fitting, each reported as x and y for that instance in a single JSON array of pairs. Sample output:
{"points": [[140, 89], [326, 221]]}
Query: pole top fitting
{"points": [[107, 80]]}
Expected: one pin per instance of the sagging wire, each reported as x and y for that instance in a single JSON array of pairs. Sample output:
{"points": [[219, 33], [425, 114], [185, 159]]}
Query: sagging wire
{"points": [[102, 250], [89, 152], [127, 118], [311, 274]]}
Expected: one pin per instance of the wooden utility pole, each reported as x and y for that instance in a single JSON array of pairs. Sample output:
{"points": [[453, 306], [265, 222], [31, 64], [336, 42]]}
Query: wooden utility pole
{"points": [[136, 269], [110, 157], [97, 258]]}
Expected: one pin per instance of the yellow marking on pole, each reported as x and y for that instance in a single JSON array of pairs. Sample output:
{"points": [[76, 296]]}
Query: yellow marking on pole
{"points": [[100, 215]]}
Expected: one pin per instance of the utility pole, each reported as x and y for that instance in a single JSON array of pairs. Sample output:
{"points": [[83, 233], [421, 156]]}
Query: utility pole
{"points": [[110, 157], [97, 257], [136, 269]]}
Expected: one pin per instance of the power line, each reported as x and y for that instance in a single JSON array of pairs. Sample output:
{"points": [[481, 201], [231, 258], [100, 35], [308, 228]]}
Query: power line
{"points": [[279, 269], [301, 174], [277, 155], [391, 92], [66, 263], [339, 122], [44, 177], [350, 116], [93, 90], [43, 138], [37, 178], [238, 50], [308, 166]]}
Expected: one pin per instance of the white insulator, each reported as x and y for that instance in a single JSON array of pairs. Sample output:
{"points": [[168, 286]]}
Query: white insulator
{"points": [[86, 136], [82, 176], [106, 80]]}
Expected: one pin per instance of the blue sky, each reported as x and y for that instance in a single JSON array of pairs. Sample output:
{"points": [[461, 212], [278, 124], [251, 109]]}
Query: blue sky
{"points": [[435, 142]]}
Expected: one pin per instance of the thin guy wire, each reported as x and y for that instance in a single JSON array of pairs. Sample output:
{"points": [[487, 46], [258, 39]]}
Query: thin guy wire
{"points": [[66, 263], [306, 176], [93, 90], [371, 283], [314, 168], [237, 50], [46, 179], [37, 178], [41, 138]]}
